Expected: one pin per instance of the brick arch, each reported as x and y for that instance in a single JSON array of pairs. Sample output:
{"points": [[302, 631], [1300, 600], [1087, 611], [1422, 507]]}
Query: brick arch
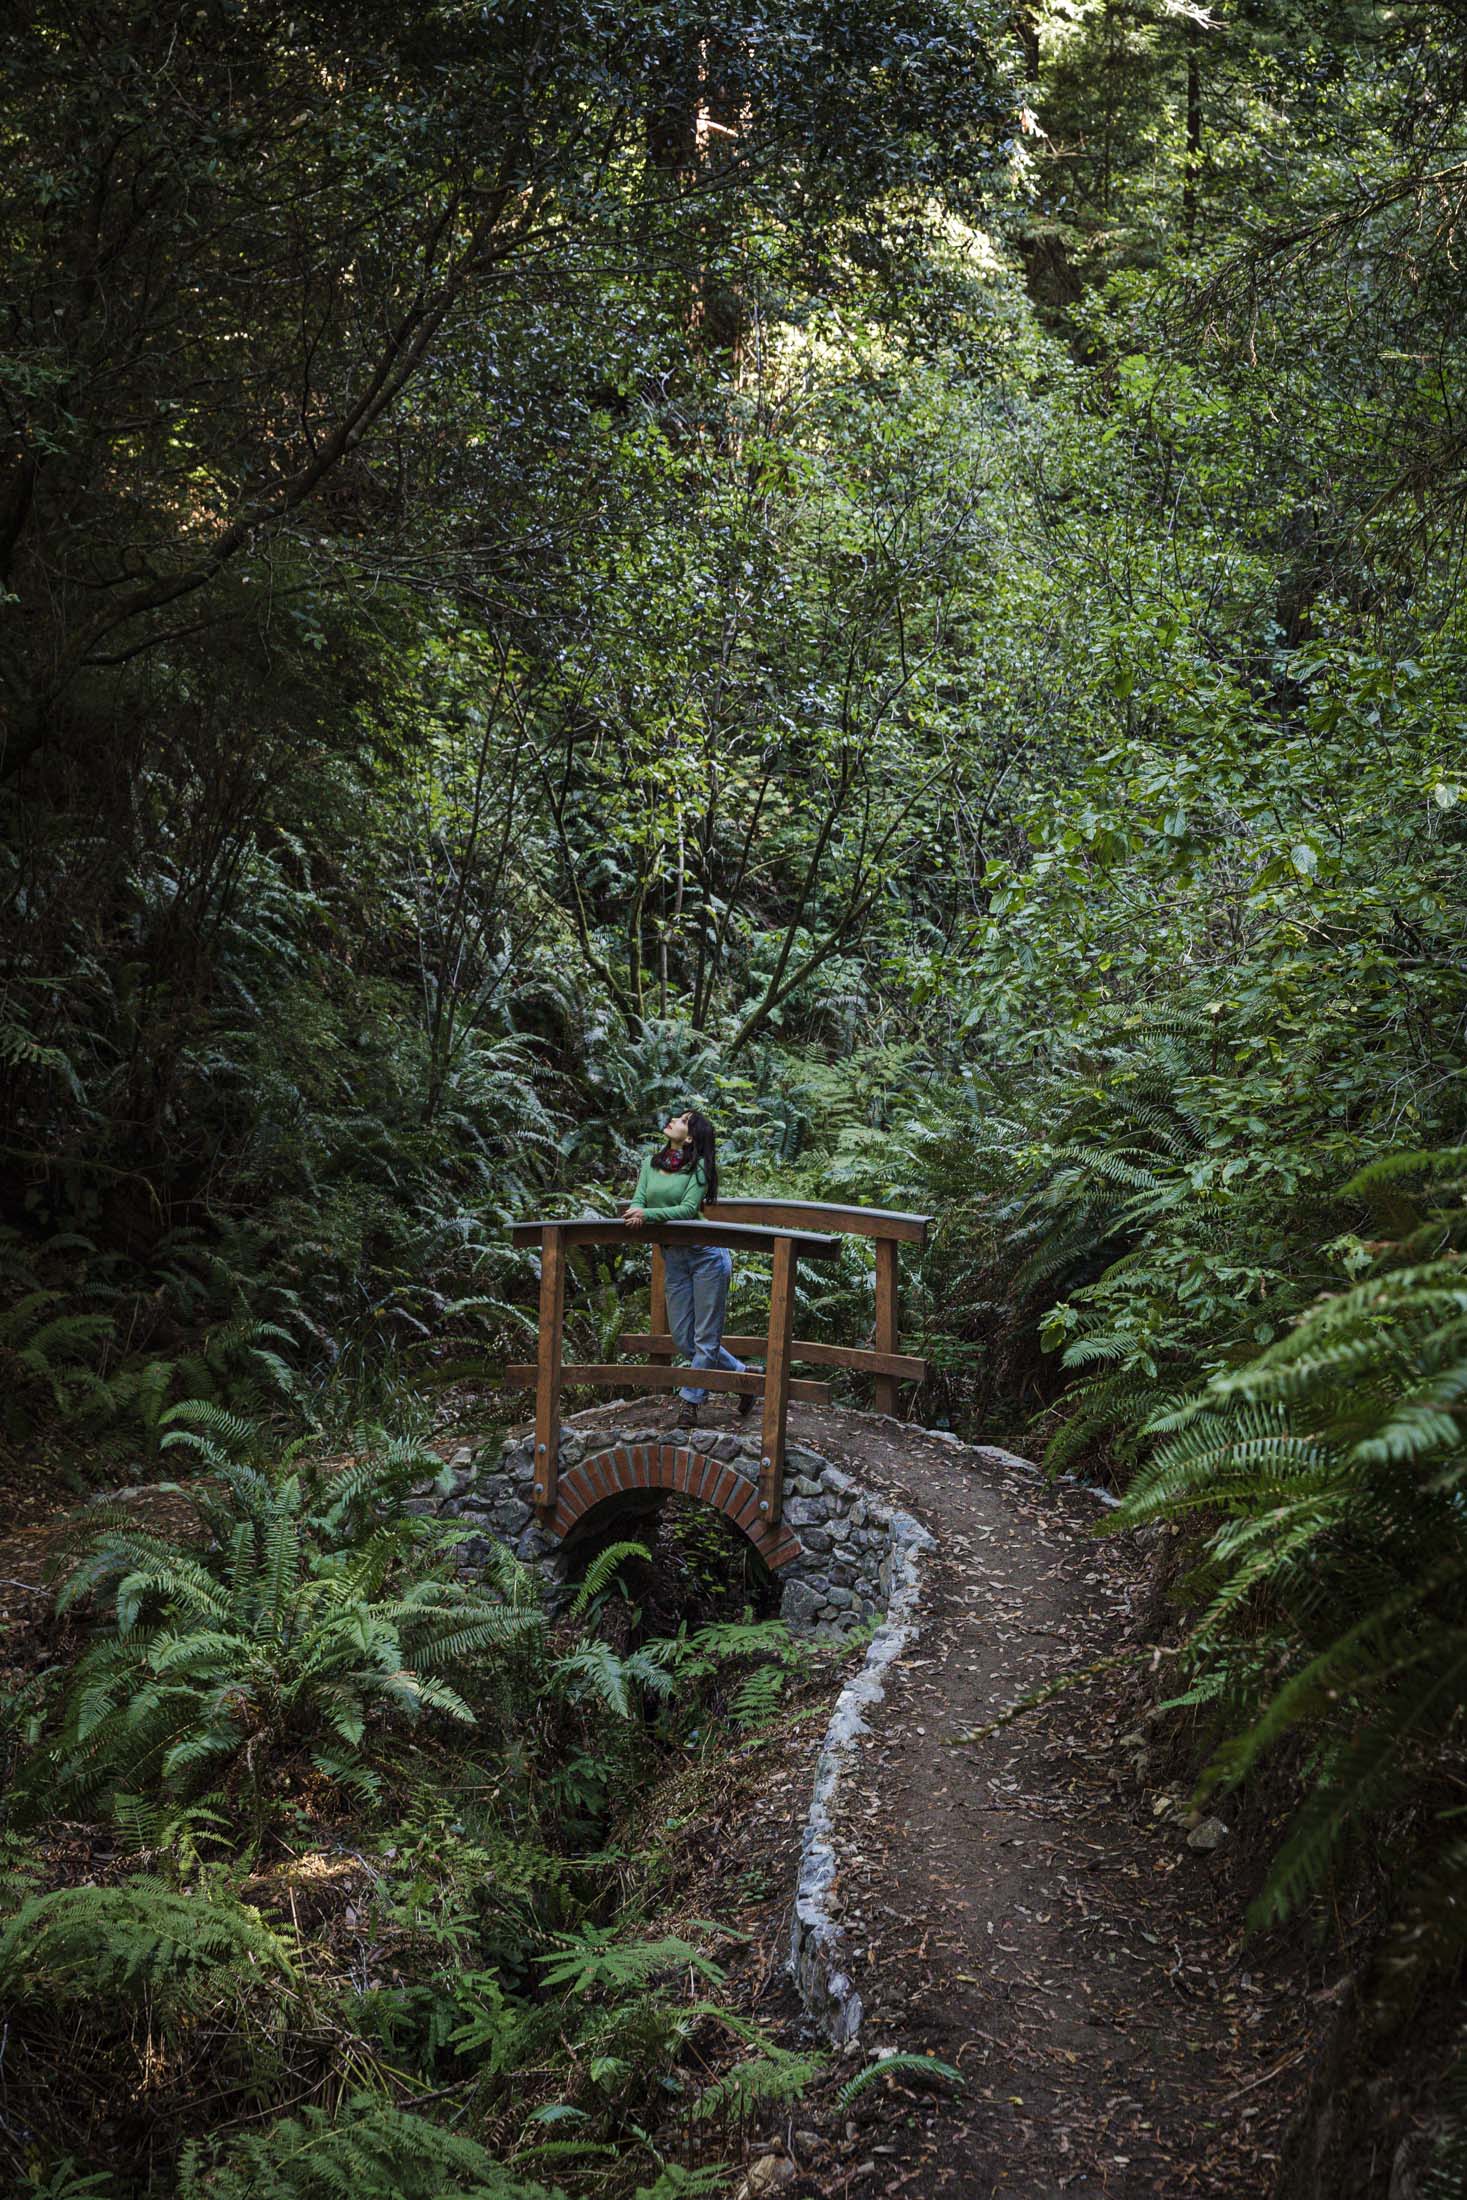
{"points": [[631, 1467]]}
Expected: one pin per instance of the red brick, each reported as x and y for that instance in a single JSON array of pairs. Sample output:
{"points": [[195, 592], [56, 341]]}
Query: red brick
{"points": [[744, 1511], [723, 1488]]}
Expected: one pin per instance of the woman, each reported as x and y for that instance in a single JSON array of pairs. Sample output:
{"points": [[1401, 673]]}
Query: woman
{"points": [[672, 1187]]}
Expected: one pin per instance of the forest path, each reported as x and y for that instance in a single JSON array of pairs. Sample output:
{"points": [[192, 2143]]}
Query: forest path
{"points": [[1014, 1904]]}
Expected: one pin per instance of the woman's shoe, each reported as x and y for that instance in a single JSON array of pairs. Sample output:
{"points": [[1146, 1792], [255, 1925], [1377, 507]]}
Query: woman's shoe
{"points": [[747, 1397]]}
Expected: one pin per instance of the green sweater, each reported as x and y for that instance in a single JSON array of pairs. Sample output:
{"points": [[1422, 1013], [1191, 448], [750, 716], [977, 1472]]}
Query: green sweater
{"points": [[664, 1197]]}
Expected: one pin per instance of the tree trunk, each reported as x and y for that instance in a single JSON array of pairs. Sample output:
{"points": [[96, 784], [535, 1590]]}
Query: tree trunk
{"points": [[1194, 127]]}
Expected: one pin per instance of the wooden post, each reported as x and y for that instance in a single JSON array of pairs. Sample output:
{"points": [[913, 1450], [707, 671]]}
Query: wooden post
{"points": [[777, 1381], [886, 1319], [658, 1322], [547, 1369]]}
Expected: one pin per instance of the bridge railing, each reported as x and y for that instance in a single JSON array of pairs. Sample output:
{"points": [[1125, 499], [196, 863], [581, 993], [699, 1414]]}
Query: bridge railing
{"points": [[790, 1230]]}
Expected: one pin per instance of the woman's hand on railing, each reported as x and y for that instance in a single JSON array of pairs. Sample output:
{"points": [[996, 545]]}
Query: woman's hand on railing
{"points": [[634, 1218]]}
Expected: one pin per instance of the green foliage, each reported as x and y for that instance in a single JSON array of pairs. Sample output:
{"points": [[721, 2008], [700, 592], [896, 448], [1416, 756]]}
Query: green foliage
{"points": [[765, 1658], [924, 2068], [1336, 1461], [365, 2148], [769, 2073], [601, 1573], [317, 1614], [932, 625], [596, 1959], [138, 1942], [64, 2181]]}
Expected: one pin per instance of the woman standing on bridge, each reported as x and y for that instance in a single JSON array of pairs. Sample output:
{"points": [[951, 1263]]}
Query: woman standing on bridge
{"points": [[672, 1187]]}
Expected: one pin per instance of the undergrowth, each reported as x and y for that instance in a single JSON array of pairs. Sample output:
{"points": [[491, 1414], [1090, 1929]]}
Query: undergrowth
{"points": [[329, 1869]]}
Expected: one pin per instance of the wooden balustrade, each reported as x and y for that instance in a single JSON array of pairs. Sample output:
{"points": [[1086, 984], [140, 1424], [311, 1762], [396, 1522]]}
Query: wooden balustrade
{"points": [[789, 1230]]}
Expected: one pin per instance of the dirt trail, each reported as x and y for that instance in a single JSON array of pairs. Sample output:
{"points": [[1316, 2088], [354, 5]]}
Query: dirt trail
{"points": [[1015, 1906]]}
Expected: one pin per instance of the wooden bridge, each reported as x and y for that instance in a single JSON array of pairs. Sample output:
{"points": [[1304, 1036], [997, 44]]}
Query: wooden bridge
{"points": [[792, 1231]]}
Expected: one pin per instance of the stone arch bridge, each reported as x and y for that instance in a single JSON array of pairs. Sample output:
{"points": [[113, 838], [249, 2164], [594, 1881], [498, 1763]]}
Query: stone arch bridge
{"points": [[551, 1492]]}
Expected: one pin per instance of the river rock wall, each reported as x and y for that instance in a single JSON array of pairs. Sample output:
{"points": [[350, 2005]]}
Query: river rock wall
{"points": [[840, 1578]]}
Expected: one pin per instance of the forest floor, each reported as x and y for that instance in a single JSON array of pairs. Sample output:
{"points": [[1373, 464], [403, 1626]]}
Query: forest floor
{"points": [[1023, 1904]]}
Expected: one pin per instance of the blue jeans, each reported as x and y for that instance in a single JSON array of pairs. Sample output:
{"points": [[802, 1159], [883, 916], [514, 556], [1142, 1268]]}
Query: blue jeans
{"points": [[697, 1295]]}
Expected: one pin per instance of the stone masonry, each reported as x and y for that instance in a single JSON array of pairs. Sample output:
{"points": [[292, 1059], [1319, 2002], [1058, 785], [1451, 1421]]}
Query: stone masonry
{"points": [[831, 1553]]}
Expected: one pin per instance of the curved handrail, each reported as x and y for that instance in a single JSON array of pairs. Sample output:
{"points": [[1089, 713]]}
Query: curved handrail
{"points": [[818, 1214], [777, 1226], [611, 1230]]}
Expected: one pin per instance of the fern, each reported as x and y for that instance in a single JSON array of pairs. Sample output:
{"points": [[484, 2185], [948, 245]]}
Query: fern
{"points": [[18, 1050], [594, 1672], [771, 2075], [135, 1941], [64, 2181], [675, 2182], [602, 1570], [926, 2069], [366, 2149], [1334, 1458], [310, 1622], [596, 1961]]}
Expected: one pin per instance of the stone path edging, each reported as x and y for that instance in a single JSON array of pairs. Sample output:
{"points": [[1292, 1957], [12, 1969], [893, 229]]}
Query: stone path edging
{"points": [[995, 1456], [816, 1964], [824, 1985]]}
